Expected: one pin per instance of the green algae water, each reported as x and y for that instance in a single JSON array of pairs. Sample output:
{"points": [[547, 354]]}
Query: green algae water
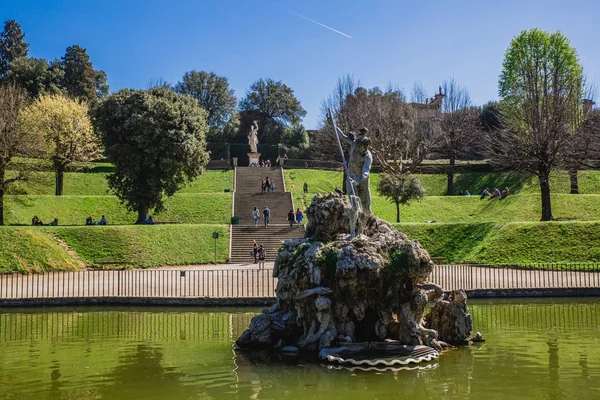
{"points": [[535, 349]]}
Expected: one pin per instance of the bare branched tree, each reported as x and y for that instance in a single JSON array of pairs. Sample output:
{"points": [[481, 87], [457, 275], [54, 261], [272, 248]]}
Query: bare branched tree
{"points": [[14, 142], [459, 128], [418, 94], [323, 145], [585, 145], [401, 135]]}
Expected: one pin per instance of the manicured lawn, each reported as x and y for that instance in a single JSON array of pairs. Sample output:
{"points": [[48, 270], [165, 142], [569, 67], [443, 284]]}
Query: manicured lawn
{"points": [[513, 208], [202, 208], [40, 249], [435, 184], [494, 243], [147, 246], [33, 250], [94, 184]]}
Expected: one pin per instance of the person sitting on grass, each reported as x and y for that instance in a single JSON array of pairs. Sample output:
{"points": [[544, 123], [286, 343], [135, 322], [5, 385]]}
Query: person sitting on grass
{"points": [[467, 193], [148, 221], [54, 223], [485, 193], [102, 221], [89, 220], [506, 191], [497, 192], [35, 221]]}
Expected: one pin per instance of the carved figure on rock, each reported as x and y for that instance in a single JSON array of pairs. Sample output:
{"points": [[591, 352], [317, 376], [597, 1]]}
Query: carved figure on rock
{"points": [[253, 137], [322, 328], [450, 318]]}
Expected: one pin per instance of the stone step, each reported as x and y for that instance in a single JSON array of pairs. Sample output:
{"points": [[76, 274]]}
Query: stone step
{"points": [[270, 237], [249, 179], [248, 195], [279, 204]]}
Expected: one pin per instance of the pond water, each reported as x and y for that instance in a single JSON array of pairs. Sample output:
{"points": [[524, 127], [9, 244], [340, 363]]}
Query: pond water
{"points": [[535, 349]]}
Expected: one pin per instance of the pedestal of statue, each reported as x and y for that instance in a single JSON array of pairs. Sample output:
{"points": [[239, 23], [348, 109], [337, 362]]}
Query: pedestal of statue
{"points": [[254, 159]]}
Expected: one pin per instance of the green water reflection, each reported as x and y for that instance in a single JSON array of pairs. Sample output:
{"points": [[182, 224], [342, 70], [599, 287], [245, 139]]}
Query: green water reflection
{"points": [[536, 349]]}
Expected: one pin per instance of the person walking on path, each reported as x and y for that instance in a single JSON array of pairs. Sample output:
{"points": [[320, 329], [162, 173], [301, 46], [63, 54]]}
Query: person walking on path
{"points": [[261, 256], [266, 215], [291, 218], [299, 217], [255, 251], [305, 187], [255, 215]]}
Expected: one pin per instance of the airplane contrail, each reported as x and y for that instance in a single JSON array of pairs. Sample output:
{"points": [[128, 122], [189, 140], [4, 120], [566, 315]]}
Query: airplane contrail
{"points": [[311, 20]]}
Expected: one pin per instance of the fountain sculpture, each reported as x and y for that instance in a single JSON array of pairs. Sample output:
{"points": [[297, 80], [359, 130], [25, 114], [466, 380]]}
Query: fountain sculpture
{"points": [[357, 292]]}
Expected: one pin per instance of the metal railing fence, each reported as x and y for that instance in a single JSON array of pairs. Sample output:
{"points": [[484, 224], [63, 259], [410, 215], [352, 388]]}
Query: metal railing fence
{"points": [[531, 276], [206, 283], [254, 283]]}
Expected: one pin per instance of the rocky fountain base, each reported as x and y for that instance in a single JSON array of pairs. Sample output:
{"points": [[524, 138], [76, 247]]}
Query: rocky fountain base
{"points": [[358, 300]]}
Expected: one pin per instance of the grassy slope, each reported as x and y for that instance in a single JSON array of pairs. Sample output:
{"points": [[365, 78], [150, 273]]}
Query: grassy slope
{"points": [[325, 181], [35, 249], [201, 202], [509, 243], [523, 206], [204, 202], [148, 246], [94, 184], [207, 208]]}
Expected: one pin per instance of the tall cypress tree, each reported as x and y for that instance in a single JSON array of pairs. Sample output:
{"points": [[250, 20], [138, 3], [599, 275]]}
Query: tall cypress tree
{"points": [[79, 75], [12, 45]]}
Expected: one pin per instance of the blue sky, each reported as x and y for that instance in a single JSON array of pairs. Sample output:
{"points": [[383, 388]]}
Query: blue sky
{"points": [[399, 42]]}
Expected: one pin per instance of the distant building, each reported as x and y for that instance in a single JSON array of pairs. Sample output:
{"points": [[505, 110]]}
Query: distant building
{"points": [[431, 106]]}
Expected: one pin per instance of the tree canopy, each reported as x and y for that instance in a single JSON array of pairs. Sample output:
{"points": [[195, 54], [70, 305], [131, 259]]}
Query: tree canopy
{"points": [[37, 76], [65, 126], [274, 105], [12, 45], [80, 80], [273, 100], [213, 94], [401, 189], [156, 140]]}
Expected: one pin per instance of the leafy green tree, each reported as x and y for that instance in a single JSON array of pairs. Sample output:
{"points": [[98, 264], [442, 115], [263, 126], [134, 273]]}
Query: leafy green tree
{"points": [[65, 126], [36, 76], [489, 117], [14, 141], [541, 87], [12, 45], [295, 136], [80, 80], [401, 189], [274, 105], [156, 139], [100, 84], [213, 94]]}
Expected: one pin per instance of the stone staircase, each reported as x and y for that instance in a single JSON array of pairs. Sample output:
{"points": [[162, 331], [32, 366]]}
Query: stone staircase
{"points": [[270, 237], [248, 195]]}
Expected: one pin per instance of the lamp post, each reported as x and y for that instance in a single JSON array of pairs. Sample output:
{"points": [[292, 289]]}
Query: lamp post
{"points": [[215, 236]]}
